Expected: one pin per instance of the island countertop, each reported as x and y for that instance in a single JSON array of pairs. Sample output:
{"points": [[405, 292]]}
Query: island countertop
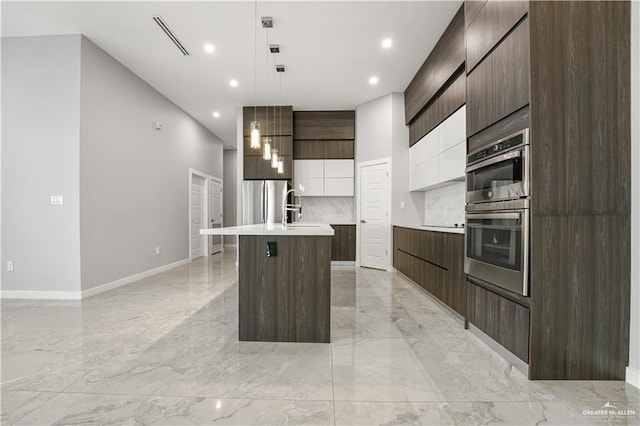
{"points": [[292, 229]]}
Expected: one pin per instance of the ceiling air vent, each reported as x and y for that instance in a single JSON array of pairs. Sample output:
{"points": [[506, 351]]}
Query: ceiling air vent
{"points": [[280, 68], [162, 24]]}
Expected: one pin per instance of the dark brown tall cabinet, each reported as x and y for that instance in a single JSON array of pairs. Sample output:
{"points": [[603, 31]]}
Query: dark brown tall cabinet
{"points": [[561, 69], [276, 123]]}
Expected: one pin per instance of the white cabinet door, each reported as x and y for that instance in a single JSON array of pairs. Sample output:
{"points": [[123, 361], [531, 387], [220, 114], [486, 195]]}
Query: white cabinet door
{"points": [[338, 187], [313, 187], [452, 163], [338, 168], [422, 151], [426, 174], [308, 169], [453, 130]]}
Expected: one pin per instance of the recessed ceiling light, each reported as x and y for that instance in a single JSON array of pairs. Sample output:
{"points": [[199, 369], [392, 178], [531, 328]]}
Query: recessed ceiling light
{"points": [[233, 83], [209, 48], [216, 114], [373, 80], [386, 43]]}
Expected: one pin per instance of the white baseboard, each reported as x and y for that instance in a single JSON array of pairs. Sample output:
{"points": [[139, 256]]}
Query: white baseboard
{"points": [[230, 246], [78, 295], [45, 295], [633, 377], [342, 263], [132, 278]]}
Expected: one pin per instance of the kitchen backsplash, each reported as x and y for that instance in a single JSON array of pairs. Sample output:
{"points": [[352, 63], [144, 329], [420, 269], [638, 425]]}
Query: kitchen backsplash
{"points": [[445, 206], [328, 209]]}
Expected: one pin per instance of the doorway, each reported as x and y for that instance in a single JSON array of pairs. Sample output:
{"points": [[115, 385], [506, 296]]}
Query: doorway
{"points": [[215, 214], [205, 211], [374, 205]]}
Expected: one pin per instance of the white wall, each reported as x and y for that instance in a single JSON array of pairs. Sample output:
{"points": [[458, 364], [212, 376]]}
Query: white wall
{"points": [[633, 372], [413, 210], [230, 192], [40, 140], [133, 178], [381, 133], [374, 129]]}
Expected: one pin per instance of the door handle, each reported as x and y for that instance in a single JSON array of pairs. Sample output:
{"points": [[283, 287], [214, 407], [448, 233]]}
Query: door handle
{"points": [[363, 221]]}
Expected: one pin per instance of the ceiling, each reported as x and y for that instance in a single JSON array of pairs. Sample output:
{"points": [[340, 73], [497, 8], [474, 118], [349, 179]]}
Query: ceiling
{"points": [[330, 49]]}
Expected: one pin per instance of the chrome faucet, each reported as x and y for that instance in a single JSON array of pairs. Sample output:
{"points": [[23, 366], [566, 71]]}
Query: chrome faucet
{"points": [[286, 207]]}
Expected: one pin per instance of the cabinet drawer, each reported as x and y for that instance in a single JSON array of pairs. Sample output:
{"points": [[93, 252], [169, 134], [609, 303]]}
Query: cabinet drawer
{"points": [[490, 25], [503, 320], [338, 187], [338, 168]]}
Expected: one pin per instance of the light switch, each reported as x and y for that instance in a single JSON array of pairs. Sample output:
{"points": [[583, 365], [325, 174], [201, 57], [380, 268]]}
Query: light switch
{"points": [[402, 204], [57, 200], [10, 266]]}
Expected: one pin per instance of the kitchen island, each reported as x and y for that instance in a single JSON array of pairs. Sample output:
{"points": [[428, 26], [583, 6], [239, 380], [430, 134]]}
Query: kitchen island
{"points": [[284, 281]]}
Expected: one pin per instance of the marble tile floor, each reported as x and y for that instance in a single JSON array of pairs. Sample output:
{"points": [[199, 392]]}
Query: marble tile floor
{"points": [[165, 350]]}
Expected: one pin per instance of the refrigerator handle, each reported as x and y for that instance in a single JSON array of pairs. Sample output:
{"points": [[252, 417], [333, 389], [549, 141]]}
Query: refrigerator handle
{"points": [[263, 200]]}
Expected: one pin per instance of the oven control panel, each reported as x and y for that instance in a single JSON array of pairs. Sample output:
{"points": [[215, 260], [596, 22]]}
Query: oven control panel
{"points": [[499, 147]]}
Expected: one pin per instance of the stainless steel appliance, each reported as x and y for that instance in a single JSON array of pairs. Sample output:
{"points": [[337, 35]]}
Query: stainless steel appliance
{"points": [[497, 213], [262, 201], [500, 171], [497, 248]]}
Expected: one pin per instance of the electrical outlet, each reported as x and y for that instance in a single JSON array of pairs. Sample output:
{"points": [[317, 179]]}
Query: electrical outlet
{"points": [[10, 265], [157, 251]]}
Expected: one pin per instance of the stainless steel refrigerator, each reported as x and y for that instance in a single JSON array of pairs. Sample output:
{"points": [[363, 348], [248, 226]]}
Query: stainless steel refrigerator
{"points": [[262, 201]]}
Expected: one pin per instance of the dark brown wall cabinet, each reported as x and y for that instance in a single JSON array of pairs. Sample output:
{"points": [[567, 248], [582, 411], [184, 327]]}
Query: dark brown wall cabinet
{"points": [[439, 88], [499, 85], [279, 128], [343, 244], [434, 260], [442, 106], [315, 125], [563, 70], [324, 135], [446, 57]]}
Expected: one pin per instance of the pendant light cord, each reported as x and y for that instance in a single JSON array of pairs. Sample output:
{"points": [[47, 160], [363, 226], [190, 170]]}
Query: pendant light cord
{"points": [[255, 61]]}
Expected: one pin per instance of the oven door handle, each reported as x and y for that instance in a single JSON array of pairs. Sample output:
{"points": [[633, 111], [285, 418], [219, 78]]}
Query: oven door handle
{"points": [[494, 160], [505, 215]]}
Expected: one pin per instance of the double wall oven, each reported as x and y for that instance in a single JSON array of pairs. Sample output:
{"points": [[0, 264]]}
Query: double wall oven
{"points": [[497, 213]]}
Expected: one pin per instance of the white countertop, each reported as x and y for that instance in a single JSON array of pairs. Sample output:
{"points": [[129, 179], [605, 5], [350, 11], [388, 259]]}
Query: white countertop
{"points": [[296, 229], [449, 230]]}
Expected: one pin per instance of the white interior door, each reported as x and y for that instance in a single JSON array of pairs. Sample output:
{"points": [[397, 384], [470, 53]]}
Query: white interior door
{"points": [[374, 216], [215, 214], [198, 244]]}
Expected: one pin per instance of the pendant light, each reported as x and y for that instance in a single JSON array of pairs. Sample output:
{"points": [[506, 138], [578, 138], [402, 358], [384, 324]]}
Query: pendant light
{"points": [[255, 125], [266, 153], [280, 161]]}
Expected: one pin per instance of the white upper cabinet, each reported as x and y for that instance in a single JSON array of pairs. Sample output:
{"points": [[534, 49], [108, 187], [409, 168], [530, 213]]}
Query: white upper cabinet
{"points": [[329, 178], [308, 169], [338, 168], [440, 156], [453, 130]]}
